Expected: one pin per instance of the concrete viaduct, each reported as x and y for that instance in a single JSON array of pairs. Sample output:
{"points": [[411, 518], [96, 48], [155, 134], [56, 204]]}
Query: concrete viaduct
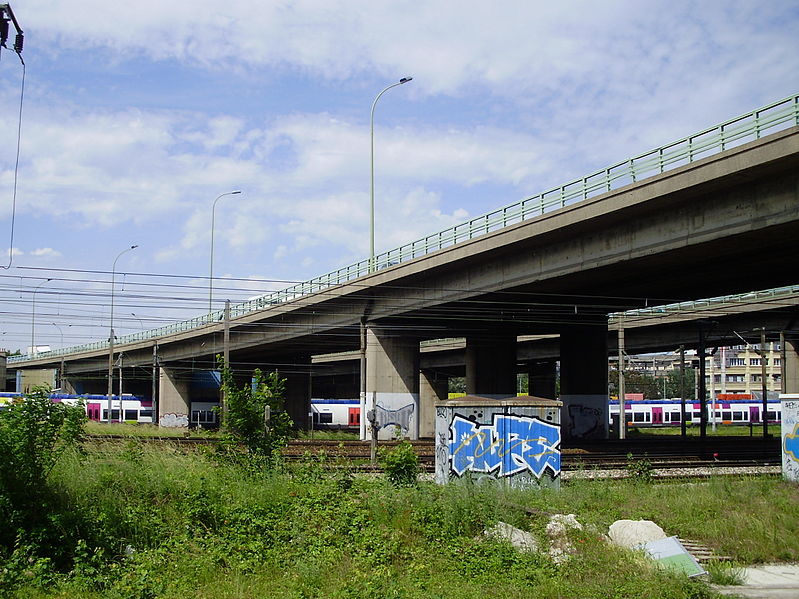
{"points": [[724, 224]]}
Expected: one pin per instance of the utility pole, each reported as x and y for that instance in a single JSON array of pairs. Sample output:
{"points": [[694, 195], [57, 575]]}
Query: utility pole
{"points": [[622, 406], [702, 386], [764, 385], [154, 394], [682, 392]]}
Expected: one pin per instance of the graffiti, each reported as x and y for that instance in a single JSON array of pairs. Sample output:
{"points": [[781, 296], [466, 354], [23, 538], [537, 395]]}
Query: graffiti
{"points": [[400, 417], [173, 420], [792, 444], [511, 444], [585, 421]]}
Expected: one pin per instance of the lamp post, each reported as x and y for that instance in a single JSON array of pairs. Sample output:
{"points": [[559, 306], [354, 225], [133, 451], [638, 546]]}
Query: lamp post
{"points": [[141, 323], [211, 273], [33, 317], [372, 188], [61, 370], [111, 336]]}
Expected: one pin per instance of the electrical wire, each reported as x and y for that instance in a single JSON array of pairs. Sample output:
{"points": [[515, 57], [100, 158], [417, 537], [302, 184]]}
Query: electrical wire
{"points": [[16, 169]]}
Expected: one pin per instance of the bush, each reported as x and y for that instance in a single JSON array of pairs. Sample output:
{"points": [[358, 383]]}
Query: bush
{"points": [[401, 464], [244, 420], [34, 433]]}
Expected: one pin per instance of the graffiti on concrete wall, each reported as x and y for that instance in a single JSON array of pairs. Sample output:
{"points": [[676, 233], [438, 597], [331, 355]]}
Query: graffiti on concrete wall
{"points": [[790, 440], [584, 421], [507, 446], [400, 417], [172, 420]]}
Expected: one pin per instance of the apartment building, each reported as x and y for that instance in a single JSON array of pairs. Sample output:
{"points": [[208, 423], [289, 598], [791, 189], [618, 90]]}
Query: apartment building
{"points": [[739, 370]]}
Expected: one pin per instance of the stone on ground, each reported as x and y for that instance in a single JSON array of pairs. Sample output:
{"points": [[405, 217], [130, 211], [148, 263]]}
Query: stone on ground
{"points": [[517, 537], [560, 548], [633, 533]]}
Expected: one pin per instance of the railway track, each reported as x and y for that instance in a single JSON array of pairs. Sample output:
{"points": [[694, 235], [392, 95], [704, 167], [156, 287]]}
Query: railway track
{"points": [[656, 454]]}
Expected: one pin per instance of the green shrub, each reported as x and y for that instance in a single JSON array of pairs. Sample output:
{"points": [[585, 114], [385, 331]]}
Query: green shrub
{"points": [[245, 420], [34, 433], [401, 464]]}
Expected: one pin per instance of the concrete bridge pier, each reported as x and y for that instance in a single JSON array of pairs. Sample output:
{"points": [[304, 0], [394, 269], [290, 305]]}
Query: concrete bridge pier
{"points": [[790, 365], [584, 381], [542, 379], [491, 365], [174, 404], [433, 387], [392, 382], [298, 391]]}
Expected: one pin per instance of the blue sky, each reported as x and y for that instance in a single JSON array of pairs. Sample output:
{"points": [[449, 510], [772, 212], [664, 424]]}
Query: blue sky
{"points": [[137, 115]]}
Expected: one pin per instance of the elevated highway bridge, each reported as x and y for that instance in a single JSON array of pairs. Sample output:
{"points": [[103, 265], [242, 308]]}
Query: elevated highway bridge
{"points": [[712, 214]]}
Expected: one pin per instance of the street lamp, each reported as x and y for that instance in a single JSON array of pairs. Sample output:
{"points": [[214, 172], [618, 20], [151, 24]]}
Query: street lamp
{"points": [[61, 371], [141, 323], [372, 189], [111, 336], [33, 317], [211, 273]]}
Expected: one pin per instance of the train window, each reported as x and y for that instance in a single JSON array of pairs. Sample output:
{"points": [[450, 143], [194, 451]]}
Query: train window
{"points": [[131, 414], [325, 418], [771, 415], [148, 413], [726, 415], [638, 417], [738, 416], [114, 414], [675, 416]]}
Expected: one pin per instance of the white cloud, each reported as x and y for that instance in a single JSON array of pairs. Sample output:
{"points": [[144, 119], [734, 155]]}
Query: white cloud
{"points": [[46, 253]]}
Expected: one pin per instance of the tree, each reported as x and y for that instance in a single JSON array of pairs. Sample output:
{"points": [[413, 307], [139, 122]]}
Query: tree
{"points": [[673, 387], [34, 433], [636, 382], [254, 413]]}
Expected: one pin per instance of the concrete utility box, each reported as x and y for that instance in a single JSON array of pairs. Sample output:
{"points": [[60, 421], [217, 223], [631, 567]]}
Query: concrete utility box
{"points": [[790, 436], [514, 440]]}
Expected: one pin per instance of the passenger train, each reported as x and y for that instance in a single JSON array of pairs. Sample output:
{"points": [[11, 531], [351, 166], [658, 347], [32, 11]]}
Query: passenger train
{"points": [[346, 413], [132, 408], [667, 412]]}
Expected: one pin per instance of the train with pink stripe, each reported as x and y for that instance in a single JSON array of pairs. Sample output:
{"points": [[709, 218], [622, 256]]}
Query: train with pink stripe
{"points": [[127, 408], [734, 410]]}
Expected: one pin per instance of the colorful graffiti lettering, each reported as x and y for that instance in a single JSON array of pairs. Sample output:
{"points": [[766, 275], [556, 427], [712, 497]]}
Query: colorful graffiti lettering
{"points": [[511, 444], [792, 444]]}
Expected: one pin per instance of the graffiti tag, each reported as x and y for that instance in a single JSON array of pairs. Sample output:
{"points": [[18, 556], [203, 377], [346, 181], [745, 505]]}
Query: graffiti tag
{"points": [[400, 417], [792, 444], [511, 444]]}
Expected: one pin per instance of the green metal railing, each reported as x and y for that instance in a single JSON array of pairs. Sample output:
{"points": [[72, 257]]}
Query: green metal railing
{"points": [[748, 127], [723, 301]]}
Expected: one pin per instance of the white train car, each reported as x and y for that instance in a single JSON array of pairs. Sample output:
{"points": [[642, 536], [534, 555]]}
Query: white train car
{"points": [[667, 412], [336, 413], [127, 408]]}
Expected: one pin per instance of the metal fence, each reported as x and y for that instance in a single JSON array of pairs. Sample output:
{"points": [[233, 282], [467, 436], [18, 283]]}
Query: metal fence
{"points": [[745, 128]]}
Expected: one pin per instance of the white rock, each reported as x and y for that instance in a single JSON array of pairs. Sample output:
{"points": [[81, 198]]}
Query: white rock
{"points": [[517, 537], [558, 532], [633, 533]]}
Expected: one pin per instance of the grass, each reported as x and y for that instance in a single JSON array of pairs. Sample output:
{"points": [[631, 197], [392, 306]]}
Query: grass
{"points": [[154, 522], [722, 430], [136, 429], [151, 430]]}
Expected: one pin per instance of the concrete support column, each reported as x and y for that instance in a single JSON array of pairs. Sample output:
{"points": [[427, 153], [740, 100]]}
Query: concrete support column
{"points": [[298, 391], [542, 381], [790, 365], [491, 365], [433, 387], [68, 385], [175, 403], [392, 381], [584, 381]]}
